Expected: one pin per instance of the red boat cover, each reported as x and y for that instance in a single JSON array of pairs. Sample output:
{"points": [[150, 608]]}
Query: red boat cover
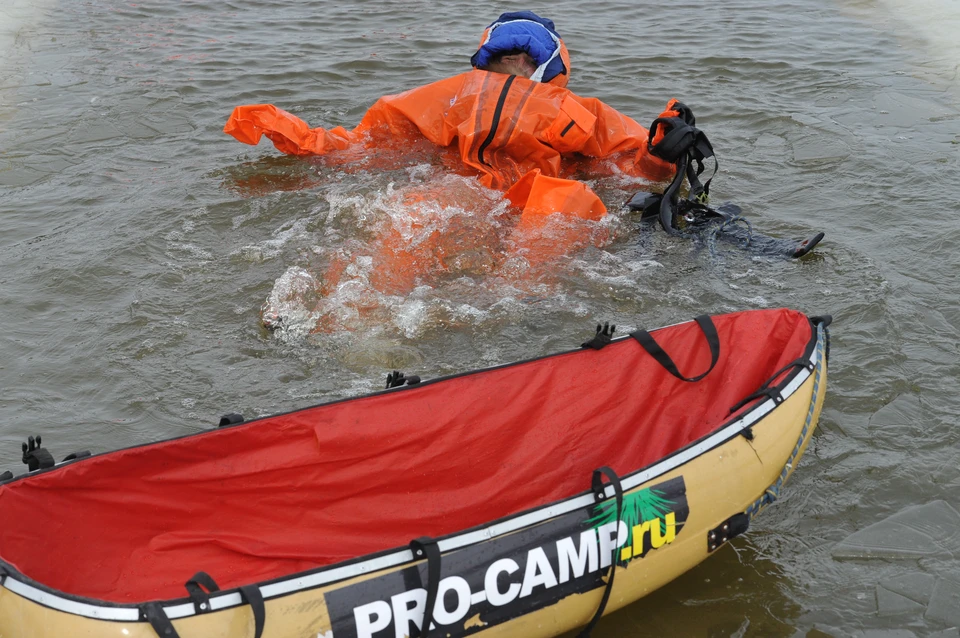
{"points": [[297, 491]]}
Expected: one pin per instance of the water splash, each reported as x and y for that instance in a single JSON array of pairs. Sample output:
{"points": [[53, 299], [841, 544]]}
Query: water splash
{"points": [[439, 250]]}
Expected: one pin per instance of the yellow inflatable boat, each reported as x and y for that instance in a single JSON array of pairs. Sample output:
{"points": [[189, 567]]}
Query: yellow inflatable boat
{"points": [[522, 500]]}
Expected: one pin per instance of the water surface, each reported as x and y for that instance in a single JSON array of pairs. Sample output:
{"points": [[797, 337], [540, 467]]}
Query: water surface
{"points": [[138, 244]]}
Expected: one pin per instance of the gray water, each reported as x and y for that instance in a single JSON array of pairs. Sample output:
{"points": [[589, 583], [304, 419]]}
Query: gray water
{"points": [[138, 244]]}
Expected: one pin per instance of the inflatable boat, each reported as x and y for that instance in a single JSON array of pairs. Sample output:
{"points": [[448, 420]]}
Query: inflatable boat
{"points": [[525, 499]]}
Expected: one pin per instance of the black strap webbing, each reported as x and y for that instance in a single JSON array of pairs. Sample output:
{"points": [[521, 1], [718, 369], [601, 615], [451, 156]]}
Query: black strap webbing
{"points": [[252, 596], [426, 547], [772, 390], [653, 348], [195, 588], [598, 490], [670, 202], [682, 144], [678, 138], [157, 618]]}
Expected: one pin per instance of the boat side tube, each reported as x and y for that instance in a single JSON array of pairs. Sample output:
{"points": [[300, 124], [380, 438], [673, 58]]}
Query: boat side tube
{"points": [[536, 573]]}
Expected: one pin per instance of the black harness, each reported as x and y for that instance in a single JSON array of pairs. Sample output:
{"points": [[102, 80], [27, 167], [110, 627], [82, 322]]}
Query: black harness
{"points": [[683, 144]]}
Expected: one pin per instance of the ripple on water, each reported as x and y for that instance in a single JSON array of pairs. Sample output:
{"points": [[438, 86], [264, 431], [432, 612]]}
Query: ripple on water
{"points": [[140, 243]]}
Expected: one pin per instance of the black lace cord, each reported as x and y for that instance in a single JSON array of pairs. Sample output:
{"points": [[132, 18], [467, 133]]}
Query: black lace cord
{"points": [[426, 547], [649, 344], [599, 493], [729, 222]]}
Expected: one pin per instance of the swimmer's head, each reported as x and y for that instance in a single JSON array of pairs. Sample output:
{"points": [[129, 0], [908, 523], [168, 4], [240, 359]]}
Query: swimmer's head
{"points": [[512, 63], [522, 43]]}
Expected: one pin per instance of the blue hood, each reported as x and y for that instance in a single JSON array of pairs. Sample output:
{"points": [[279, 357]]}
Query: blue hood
{"points": [[523, 31]]}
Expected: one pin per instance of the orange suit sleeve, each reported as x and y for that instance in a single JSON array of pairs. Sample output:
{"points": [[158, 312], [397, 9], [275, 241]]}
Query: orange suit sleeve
{"points": [[289, 133], [615, 132], [392, 120]]}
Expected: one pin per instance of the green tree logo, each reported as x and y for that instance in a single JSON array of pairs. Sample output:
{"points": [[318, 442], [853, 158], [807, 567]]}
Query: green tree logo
{"points": [[646, 505]]}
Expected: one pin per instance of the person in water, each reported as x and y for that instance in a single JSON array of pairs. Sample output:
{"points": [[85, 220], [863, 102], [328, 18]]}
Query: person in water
{"points": [[511, 120]]}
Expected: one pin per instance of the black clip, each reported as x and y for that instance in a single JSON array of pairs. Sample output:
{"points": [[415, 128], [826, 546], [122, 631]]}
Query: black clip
{"points": [[733, 526], [6, 476], [76, 455], [602, 338], [230, 419], [747, 433], [396, 379], [36, 457]]}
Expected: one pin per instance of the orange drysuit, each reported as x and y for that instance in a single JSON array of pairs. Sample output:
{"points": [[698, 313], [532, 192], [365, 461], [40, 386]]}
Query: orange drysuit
{"points": [[512, 131]]}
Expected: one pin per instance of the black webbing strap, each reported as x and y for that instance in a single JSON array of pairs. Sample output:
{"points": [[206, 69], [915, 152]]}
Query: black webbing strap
{"points": [[670, 202], [678, 138], [598, 490], [769, 389], [701, 192], [154, 614], [252, 596], [426, 547], [682, 144], [653, 348], [3, 574], [195, 588]]}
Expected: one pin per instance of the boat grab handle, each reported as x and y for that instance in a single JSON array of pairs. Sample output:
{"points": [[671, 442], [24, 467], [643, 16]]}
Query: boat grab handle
{"points": [[599, 491], [426, 547], [651, 346], [250, 594]]}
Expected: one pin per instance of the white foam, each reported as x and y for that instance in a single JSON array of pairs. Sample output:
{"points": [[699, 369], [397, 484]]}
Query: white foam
{"points": [[290, 308]]}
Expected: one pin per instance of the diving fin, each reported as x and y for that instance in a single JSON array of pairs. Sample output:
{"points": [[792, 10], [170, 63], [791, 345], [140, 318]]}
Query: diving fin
{"points": [[807, 245]]}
